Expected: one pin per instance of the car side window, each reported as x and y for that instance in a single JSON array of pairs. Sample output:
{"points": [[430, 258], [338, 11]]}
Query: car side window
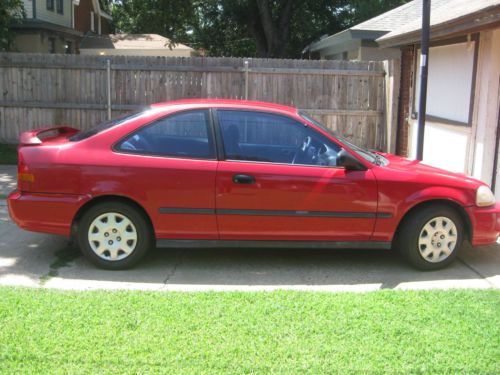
{"points": [[268, 137], [184, 135]]}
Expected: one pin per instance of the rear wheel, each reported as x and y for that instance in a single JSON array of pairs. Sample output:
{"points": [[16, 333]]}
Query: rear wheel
{"points": [[114, 235], [432, 237]]}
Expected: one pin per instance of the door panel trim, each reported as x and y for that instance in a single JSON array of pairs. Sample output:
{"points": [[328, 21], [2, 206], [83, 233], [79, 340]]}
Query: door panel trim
{"points": [[167, 243], [337, 214], [191, 211]]}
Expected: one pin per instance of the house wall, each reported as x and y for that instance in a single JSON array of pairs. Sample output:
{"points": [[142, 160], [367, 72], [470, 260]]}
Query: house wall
{"points": [[39, 42], [378, 54], [448, 129], [486, 109], [469, 145], [43, 14], [355, 51]]}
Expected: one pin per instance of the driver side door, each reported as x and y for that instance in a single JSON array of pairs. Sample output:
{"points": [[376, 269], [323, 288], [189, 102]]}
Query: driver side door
{"points": [[271, 184]]}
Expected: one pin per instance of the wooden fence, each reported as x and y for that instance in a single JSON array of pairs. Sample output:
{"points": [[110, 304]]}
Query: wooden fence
{"points": [[81, 91]]}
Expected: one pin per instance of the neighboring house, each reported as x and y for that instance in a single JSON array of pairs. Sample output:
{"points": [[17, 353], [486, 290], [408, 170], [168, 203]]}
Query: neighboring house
{"points": [[463, 96], [48, 28], [89, 17], [133, 44], [57, 26], [360, 42]]}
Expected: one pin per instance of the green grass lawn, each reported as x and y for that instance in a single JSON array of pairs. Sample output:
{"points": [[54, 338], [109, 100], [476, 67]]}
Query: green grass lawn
{"points": [[8, 154], [44, 331]]}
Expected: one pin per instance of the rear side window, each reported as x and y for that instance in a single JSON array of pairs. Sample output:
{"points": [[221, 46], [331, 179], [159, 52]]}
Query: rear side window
{"points": [[106, 125], [184, 135]]}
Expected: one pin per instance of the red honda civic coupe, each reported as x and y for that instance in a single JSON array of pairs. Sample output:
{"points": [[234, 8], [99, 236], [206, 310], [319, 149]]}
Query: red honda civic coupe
{"points": [[229, 173]]}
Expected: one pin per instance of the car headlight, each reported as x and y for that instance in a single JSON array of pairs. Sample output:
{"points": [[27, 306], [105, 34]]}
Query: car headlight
{"points": [[484, 196]]}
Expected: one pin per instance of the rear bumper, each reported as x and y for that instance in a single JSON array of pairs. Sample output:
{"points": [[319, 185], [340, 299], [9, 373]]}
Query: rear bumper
{"points": [[47, 213], [485, 224]]}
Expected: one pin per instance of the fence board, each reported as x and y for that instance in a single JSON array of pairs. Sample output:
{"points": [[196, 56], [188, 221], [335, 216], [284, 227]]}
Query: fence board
{"points": [[40, 89]]}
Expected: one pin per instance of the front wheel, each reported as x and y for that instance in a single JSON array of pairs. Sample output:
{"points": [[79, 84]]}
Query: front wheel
{"points": [[114, 235], [431, 238]]}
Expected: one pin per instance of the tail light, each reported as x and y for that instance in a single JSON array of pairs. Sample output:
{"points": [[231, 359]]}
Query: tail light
{"points": [[24, 176]]}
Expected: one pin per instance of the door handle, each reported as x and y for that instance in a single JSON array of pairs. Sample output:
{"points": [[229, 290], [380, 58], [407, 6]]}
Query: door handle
{"points": [[243, 179]]}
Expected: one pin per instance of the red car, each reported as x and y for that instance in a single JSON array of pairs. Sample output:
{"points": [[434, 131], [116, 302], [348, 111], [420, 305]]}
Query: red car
{"points": [[228, 173]]}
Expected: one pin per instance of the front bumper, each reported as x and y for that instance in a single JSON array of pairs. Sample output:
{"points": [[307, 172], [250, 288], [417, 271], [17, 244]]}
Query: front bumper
{"points": [[47, 213], [485, 224]]}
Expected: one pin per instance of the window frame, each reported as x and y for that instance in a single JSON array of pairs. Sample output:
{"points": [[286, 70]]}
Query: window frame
{"points": [[50, 5], [212, 144], [220, 142]]}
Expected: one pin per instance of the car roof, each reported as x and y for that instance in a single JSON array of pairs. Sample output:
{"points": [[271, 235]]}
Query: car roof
{"points": [[232, 103]]}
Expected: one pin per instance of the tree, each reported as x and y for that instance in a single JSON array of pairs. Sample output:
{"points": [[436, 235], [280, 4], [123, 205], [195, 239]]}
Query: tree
{"points": [[276, 28], [262, 28], [170, 18], [11, 11]]}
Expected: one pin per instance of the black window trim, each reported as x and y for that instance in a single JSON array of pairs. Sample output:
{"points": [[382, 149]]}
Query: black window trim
{"points": [[50, 4], [210, 137], [220, 142]]}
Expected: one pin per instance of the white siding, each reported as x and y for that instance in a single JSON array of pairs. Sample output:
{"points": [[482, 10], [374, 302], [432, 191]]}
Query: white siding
{"points": [[43, 14], [28, 7]]}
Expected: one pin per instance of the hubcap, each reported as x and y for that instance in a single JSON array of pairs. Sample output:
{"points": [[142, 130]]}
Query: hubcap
{"points": [[437, 239], [112, 236]]}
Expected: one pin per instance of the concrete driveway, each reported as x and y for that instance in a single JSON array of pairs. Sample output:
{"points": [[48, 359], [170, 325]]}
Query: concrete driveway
{"points": [[38, 260]]}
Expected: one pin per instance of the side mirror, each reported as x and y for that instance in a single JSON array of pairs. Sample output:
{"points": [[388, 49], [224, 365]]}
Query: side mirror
{"points": [[349, 162]]}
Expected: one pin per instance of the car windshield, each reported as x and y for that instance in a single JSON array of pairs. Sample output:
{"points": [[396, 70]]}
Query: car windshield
{"points": [[106, 125], [368, 155]]}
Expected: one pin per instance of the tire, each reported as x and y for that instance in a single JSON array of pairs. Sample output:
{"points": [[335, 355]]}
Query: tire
{"points": [[431, 238], [114, 235]]}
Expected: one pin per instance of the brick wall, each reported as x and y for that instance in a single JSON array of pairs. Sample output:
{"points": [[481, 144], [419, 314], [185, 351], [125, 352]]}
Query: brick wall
{"points": [[407, 58]]}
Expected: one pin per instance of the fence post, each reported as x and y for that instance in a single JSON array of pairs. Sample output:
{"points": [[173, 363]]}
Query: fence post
{"points": [[109, 88], [246, 79]]}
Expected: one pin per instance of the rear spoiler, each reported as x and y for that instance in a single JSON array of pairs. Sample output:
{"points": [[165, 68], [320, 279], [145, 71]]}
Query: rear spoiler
{"points": [[32, 137]]}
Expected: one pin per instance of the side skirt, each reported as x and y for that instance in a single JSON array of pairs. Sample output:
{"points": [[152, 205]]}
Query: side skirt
{"points": [[167, 243]]}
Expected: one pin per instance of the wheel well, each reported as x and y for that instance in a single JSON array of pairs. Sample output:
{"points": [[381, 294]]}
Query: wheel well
{"points": [[455, 206], [109, 198]]}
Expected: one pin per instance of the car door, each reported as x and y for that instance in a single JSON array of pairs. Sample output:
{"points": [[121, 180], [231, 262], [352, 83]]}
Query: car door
{"points": [[171, 166], [274, 183]]}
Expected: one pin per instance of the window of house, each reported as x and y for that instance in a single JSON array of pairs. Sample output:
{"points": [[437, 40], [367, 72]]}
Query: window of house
{"points": [[52, 45], [449, 83], [60, 6], [267, 137], [50, 4], [183, 135]]}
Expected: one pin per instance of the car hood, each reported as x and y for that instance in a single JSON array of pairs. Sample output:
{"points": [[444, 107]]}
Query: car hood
{"points": [[426, 173]]}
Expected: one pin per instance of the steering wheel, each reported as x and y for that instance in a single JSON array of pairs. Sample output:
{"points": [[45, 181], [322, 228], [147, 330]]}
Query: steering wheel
{"points": [[303, 148]]}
